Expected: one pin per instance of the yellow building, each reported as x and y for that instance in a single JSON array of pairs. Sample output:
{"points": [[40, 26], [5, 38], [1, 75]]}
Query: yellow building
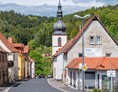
{"points": [[21, 66], [21, 60]]}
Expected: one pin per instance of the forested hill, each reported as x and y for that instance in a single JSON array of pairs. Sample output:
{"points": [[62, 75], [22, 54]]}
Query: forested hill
{"points": [[36, 30]]}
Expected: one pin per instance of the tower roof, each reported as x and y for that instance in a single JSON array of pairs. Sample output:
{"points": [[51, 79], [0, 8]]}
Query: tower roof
{"points": [[59, 11], [59, 26]]}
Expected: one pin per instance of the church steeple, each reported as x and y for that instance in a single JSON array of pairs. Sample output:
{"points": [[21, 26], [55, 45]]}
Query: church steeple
{"points": [[59, 11], [59, 36], [59, 26]]}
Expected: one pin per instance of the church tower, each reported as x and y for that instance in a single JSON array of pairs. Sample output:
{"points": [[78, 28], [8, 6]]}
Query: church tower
{"points": [[59, 37]]}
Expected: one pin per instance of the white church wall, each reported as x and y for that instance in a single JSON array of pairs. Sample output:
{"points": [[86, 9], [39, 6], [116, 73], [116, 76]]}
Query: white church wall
{"points": [[55, 46], [59, 68]]}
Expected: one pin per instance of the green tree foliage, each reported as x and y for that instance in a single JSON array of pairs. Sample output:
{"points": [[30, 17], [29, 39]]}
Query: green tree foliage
{"points": [[39, 29], [36, 31], [43, 64]]}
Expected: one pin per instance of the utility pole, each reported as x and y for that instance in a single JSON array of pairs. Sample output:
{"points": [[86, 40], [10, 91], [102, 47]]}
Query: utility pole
{"points": [[83, 72], [111, 88]]}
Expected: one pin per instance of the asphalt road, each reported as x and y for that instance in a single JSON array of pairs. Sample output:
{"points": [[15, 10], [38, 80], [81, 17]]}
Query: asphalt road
{"points": [[33, 85]]}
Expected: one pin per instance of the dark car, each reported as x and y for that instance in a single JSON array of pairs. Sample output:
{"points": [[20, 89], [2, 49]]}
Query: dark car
{"points": [[41, 76]]}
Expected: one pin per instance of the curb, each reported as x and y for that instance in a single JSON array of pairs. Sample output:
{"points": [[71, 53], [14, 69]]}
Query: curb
{"points": [[8, 88], [56, 87]]}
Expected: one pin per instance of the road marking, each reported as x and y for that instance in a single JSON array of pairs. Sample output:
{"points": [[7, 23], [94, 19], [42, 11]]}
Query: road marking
{"points": [[55, 86], [7, 89]]}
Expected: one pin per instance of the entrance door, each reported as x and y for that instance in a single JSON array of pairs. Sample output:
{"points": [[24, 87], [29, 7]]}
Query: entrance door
{"points": [[74, 78], [70, 78], [98, 77]]}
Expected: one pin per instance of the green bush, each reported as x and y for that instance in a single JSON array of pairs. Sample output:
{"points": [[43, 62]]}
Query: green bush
{"points": [[96, 90]]}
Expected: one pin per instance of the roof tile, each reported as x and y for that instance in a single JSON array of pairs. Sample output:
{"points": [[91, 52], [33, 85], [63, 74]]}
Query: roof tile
{"points": [[7, 44], [97, 63]]}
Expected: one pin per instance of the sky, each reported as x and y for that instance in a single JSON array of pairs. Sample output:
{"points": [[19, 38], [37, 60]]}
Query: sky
{"points": [[83, 3]]}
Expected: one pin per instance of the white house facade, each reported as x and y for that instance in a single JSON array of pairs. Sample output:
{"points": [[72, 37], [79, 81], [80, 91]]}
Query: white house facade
{"points": [[100, 52], [32, 68], [12, 58]]}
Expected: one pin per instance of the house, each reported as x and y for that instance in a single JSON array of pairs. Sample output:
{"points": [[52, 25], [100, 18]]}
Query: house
{"points": [[31, 64], [32, 67], [23, 64], [96, 74], [27, 63], [101, 52], [12, 58], [21, 60], [3, 66]]}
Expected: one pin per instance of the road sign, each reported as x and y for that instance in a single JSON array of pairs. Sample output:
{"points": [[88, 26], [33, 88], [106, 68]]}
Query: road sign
{"points": [[80, 66], [84, 67], [111, 73]]}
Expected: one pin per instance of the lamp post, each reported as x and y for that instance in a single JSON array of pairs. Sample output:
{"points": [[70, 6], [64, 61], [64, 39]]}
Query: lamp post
{"points": [[82, 19]]}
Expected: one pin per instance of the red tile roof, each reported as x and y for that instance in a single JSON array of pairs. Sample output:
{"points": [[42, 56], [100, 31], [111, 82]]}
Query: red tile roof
{"points": [[23, 48], [61, 49], [18, 45], [69, 44], [100, 63], [7, 44]]}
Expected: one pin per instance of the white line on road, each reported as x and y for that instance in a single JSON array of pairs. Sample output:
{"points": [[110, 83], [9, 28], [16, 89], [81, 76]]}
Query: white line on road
{"points": [[7, 89]]}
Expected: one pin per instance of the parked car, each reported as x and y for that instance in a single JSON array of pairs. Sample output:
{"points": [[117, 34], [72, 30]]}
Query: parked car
{"points": [[41, 76], [49, 76]]}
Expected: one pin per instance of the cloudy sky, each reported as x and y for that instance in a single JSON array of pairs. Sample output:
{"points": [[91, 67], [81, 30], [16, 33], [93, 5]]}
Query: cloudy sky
{"points": [[84, 3]]}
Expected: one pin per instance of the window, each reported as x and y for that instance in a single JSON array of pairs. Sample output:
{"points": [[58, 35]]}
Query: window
{"points": [[65, 56], [105, 78], [98, 39], [91, 40], [13, 56], [108, 54], [90, 75], [59, 42], [5, 57], [80, 54], [0, 74], [0, 58]]}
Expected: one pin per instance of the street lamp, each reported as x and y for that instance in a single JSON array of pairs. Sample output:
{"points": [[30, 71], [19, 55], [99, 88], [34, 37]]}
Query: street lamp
{"points": [[82, 19]]}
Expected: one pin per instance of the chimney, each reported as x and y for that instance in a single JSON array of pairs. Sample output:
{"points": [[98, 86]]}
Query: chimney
{"points": [[10, 39]]}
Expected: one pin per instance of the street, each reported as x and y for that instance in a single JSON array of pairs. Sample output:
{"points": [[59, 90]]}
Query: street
{"points": [[33, 85]]}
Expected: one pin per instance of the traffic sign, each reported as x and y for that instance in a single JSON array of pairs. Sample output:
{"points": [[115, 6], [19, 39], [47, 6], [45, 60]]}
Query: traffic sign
{"points": [[111, 73], [84, 67]]}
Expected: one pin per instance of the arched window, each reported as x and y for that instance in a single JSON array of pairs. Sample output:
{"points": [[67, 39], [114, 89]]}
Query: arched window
{"points": [[59, 42]]}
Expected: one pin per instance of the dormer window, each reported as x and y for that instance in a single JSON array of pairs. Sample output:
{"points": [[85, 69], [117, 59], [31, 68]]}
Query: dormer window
{"points": [[59, 41], [91, 40]]}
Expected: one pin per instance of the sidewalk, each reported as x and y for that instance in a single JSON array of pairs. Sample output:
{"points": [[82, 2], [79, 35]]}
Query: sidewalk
{"points": [[5, 86], [58, 85]]}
